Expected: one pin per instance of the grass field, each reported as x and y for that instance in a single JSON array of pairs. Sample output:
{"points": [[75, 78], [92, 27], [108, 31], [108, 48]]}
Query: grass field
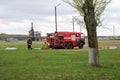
{"points": [[23, 64]]}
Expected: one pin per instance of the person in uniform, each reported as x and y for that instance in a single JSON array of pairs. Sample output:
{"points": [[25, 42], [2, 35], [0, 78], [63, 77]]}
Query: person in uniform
{"points": [[29, 43]]}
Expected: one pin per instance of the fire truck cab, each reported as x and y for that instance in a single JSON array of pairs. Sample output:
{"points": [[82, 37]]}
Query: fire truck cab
{"points": [[66, 40]]}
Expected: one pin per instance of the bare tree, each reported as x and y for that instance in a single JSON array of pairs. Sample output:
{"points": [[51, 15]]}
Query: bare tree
{"points": [[91, 11]]}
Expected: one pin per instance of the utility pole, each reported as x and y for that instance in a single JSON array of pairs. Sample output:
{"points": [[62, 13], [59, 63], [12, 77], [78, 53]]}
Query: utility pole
{"points": [[73, 23], [32, 30], [113, 31], [81, 25], [56, 17]]}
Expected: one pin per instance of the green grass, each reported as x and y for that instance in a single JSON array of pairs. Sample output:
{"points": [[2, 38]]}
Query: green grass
{"points": [[23, 64]]}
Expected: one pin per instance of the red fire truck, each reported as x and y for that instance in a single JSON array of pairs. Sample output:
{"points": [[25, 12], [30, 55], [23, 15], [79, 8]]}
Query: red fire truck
{"points": [[67, 40]]}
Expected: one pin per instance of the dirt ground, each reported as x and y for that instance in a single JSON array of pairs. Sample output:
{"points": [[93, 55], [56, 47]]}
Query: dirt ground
{"points": [[105, 44]]}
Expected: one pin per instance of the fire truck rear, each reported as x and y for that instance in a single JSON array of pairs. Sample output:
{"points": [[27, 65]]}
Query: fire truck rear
{"points": [[66, 40]]}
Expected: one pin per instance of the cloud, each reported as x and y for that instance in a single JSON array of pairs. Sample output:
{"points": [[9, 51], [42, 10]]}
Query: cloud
{"points": [[17, 15]]}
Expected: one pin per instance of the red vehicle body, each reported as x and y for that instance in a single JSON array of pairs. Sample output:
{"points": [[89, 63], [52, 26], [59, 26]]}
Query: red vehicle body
{"points": [[67, 40]]}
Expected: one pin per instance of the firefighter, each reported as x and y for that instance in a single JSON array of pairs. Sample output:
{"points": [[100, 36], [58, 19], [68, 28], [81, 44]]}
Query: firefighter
{"points": [[29, 43]]}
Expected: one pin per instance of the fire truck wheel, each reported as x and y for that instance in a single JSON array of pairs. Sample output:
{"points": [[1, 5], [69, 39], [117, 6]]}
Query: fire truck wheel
{"points": [[66, 45], [81, 45], [70, 46], [53, 47]]}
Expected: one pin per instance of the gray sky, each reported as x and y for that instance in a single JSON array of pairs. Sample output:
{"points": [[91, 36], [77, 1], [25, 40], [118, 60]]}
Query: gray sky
{"points": [[16, 17]]}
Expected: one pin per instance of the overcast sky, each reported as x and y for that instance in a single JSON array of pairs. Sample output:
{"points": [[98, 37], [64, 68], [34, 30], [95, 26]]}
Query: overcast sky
{"points": [[16, 17]]}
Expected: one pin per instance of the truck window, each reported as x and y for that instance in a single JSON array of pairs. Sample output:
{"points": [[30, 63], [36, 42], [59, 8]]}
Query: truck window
{"points": [[73, 37]]}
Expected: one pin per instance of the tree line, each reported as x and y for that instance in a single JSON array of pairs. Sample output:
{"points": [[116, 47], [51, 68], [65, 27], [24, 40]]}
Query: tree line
{"points": [[4, 36]]}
